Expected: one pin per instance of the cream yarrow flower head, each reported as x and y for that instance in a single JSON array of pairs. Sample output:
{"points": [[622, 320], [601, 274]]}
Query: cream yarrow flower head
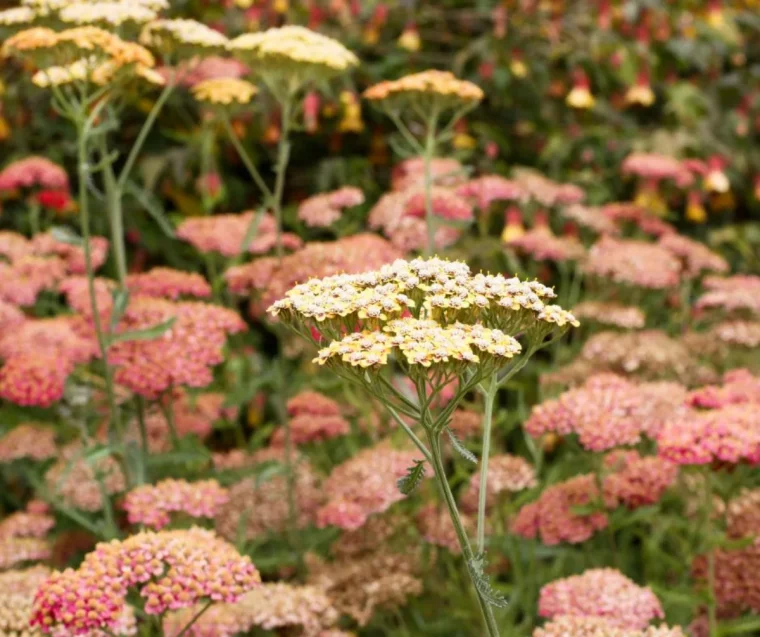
{"points": [[110, 13], [223, 91], [437, 89], [16, 16], [182, 37], [44, 8]]}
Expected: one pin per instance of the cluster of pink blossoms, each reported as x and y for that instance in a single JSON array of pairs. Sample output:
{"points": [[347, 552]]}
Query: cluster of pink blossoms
{"points": [[39, 355], [22, 535], [224, 234], [695, 257], [552, 518], [634, 480], [730, 434], [483, 191], [27, 441], [172, 569], [655, 168], [622, 212], [739, 386], [571, 626], [151, 504], [410, 173], [32, 172], [628, 317], [591, 218], [545, 191], [542, 244], [10, 315], [737, 293], [22, 280], [364, 485], [633, 262], [313, 417], [608, 411], [168, 283], [601, 592], [72, 255], [183, 355], [323, 210]]}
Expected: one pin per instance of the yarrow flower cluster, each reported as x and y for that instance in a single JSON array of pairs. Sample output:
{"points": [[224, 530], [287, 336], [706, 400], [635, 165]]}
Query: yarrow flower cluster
{"points": [[628, 317], [33, 172], [634, 263], [444, 171], [223, 91], [739, 386], [654, 167], [576, 626], [321, 211], [485, 190], [168, 283], [151, 505], [364, 485], [28, 441], [634, 480], [439, 87], [695, 257], [552, 519], [312, 417], [591, 218], [542, 244], [609, 411], [181, 37], [546, 191], [738, 293], [601, 592], [171, 569], [22, 281]]}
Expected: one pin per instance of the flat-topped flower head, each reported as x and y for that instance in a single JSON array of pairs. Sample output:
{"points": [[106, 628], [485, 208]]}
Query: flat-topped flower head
{"points": [[17, 16], [182, 38], [435, 89], [152, 505], [224, 91], [111, 14], [44, 8], [293, 54]]}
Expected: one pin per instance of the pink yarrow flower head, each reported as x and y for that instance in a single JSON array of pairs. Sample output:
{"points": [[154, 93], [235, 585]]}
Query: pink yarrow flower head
{"points": [[695, 257], [628, 317], [483, 191], [730, 434], [224, 234], [572, 626], [170, 569], [591, 218], [739, 293], [168, 283], [545, 191], [628, 212], [542, 244], [321, 211], [506, 474], [601, 592], [182, 355], [152, 505], [635, 263], [73, 256], [551, 518], [22, 281], [739, 386], [654, 167], [364, 485], [28, 442], [634, 480], [33, 172], [15, 551], [411, 173]]}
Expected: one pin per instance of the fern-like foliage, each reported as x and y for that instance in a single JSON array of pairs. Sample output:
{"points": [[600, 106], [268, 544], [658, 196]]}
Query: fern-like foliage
{"points": [[413, 477]]}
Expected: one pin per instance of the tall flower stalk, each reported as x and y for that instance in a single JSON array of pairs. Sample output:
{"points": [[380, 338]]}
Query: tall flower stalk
{"points": [[435, 100], [460, 329]]}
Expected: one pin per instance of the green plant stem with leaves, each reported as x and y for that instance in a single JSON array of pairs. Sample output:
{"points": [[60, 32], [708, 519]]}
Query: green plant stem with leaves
{"points": [[428, 155], [707, 505]]}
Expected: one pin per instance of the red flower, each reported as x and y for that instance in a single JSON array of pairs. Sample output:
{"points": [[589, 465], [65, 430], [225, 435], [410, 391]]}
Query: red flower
{"points": [[58, 200]]}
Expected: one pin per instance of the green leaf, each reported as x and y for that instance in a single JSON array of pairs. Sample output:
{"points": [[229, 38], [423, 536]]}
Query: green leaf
{"points": [[120, 298], [148, 334], [66, 235], [413, 477], [457, 444], [152, 206], [477, 566]]}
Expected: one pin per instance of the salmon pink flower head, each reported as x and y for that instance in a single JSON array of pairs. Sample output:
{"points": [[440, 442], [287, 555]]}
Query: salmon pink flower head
{"points": [[695, 257], [601, 592], [541, 244], [739, 386], [608, 411], [551, 518], [363, 486], [634, 480], [313, 416], [627, 317], [590, 217], [170, 569], [483, 191], [739, 293], [33, 172], [224, 234], [181, 355], [151, 505], [410, 173], [73, 255], [730, 434], [18, 550], [27, 441], [545, 191], [22, 281], [631, 213], [14, 245], [321, 211], [577, 626], [29, 523], [635, 263], [168, 283], [10, 316], [654, 167]]}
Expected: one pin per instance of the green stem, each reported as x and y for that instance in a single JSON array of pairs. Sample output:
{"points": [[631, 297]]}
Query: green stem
{"points": [[707, 530], [434, 441], [83, 129], [195, 618], [418, 443], [247, 161], [169, 415], [115, 215], [490, 394], [283, 155]]}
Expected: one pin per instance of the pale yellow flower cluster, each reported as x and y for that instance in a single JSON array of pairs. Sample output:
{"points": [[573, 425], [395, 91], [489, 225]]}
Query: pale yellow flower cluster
{"points": [[171, 35], [295, 45], [16, 15], [44, 8], [224, 91], [433, 311], [441, 83], [83, 53], [112, 13]]}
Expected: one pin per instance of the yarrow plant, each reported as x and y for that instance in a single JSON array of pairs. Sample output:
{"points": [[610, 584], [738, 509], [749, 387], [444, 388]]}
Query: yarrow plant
{"points": [[437, 322]]}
